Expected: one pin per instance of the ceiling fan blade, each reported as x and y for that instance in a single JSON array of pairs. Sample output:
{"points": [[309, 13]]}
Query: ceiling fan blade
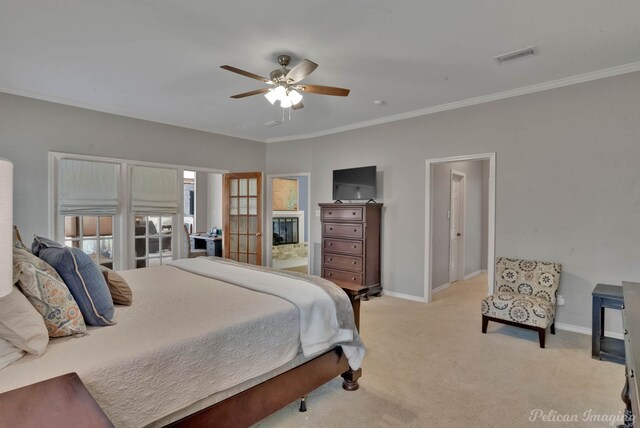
{"points": [[244, 73], [324, 90], [248, 94], [300, 71], [297, 106]]}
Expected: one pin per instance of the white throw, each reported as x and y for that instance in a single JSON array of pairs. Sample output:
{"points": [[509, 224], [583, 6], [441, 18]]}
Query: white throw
{"points": [[319, 328]]}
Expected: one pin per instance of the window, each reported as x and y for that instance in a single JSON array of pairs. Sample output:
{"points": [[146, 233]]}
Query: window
{"points": [[124, 214], [93, 235], [153, 240]]}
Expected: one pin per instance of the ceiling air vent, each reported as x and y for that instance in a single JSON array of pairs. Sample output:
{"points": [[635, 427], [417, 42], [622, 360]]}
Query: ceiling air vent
{"points": [[272, 123], [512, 56]]}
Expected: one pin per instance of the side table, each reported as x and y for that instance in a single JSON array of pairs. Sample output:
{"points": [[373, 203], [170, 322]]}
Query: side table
{"points": [[603, 347], [60, 402]]}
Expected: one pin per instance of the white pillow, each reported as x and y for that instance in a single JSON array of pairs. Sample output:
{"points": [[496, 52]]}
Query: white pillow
{"points": [[21, 324], [8, 353]]}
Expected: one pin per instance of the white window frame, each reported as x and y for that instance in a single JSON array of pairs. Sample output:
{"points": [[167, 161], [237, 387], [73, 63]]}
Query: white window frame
{"points": [[123, 236], [80, 238], [159, 235]]}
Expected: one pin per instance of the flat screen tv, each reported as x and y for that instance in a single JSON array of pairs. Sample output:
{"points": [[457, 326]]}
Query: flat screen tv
{"points": [[354, 183]]}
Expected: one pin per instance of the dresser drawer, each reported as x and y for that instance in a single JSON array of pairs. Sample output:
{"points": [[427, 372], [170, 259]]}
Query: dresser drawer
{"points": [[354, 231], [353, 264], [342, 214], [356, 278], [346, 247]]}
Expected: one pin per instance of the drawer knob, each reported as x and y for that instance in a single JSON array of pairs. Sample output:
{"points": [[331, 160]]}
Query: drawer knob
{"points": [[354, 213], [330, 213], [331, 244], [330, 274], [631, 374], [626, 331], [330, 259], [331, 228], [355, 230], [353, 278], [353, 263], [355, 246]]}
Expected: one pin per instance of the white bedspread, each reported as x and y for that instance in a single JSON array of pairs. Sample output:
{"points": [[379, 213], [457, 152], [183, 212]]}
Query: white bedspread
{"points": [[319, 328], [185, 337]]}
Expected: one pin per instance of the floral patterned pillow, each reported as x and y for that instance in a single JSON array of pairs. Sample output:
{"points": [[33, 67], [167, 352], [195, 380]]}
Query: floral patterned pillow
{"points": [[48, 294]]}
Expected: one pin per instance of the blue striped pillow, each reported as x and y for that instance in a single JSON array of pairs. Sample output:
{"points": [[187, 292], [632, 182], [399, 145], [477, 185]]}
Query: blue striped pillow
{"points": [[83, 278]]}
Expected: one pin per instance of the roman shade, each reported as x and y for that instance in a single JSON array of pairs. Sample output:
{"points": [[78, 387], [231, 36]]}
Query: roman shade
{"points": [[154, 190], [88, 188]]}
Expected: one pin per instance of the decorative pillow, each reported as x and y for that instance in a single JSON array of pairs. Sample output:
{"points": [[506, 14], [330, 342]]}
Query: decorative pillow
{"points": [[21, 324], [48, 294], [8, 353], [118, 287], [17, 240], [82, 276]]}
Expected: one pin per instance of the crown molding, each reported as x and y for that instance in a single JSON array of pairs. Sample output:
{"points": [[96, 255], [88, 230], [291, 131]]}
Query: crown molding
{"points": [[538, 87], [116, 112]]}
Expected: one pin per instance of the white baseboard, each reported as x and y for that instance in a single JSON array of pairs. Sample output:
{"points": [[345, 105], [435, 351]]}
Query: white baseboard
{"points": [[585, 330], [403, 296], [441, 288], [472, 274]]}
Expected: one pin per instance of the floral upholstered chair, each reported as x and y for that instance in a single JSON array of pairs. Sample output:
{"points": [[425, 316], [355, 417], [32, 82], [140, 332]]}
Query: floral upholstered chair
{"points": [[525, 295]]}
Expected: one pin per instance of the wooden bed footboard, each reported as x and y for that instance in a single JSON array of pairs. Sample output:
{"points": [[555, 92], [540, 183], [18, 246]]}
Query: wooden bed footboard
{"points": [[258, 402]]}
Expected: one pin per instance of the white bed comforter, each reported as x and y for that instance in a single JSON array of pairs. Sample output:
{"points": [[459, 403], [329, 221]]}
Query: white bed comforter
{"points": [[186, 337], [319, 329]]}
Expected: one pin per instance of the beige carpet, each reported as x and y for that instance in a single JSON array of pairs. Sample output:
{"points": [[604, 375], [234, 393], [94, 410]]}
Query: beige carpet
{"points": [[301, 269], [429, 365]]}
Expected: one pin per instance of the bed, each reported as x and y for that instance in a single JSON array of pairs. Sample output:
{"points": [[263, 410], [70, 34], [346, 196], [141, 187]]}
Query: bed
{"points": [[203, 339]]}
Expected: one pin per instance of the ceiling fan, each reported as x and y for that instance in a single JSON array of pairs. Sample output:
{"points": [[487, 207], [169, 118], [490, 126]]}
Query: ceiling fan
{"points": [[285, 86]]}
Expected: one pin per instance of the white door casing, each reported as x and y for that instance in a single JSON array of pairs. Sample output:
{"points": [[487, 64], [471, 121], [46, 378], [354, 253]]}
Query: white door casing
{"points": [[428, 226]]}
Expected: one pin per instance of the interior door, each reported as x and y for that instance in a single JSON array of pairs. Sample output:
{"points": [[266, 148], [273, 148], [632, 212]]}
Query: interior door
{"points": [[242, 217], [456, 228]]}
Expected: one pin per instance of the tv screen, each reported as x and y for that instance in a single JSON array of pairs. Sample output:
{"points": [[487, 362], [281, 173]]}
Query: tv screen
{"points": [[354, 183]]}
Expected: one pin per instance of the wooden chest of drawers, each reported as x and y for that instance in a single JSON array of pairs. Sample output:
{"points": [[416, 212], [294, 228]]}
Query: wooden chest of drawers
{"points": [[351, 244]]}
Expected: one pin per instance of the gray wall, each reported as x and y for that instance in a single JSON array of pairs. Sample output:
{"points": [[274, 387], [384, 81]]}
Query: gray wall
{"points": [[30, 128], [568, 181], [475, 246]]}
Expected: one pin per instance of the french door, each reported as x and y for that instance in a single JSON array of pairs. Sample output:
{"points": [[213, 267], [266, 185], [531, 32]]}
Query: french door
{"points": [[242, 217]]}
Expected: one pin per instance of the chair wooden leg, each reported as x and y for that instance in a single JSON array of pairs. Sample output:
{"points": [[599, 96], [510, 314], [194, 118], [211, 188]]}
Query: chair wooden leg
{"points": [[541, 333], [485, 322], [553, 327]]}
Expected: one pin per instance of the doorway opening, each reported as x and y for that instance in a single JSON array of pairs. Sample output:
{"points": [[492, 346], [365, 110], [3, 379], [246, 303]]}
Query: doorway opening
{"points": [[459, 221], [288, 219]]}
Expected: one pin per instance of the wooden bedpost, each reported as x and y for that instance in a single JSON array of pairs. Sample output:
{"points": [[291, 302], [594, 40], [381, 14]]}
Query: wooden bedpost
{"points": [[351, 377]]}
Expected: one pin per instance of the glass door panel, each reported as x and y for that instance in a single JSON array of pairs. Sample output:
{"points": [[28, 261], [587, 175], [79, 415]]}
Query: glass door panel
{"points": [[242, 231]]}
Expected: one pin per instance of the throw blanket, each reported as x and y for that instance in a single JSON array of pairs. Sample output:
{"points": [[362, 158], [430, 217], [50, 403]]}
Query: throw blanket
{"points": [[326, 316]]}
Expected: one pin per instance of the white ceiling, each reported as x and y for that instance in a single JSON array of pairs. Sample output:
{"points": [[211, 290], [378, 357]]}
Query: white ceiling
{"points": [[159, 59]]}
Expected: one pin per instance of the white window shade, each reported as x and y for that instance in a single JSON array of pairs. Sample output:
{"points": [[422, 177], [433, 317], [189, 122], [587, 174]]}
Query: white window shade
{"points": [[88, 188], [154, 190]]}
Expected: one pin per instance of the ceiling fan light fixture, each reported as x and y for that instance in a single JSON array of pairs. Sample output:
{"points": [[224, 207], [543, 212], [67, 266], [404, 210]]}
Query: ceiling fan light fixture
{"points": [[281, 92], [286, 102], [271, 96], [295, 96]]}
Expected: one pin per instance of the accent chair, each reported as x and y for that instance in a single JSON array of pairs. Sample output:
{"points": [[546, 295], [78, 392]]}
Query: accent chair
{"points": [[525, 295]]}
